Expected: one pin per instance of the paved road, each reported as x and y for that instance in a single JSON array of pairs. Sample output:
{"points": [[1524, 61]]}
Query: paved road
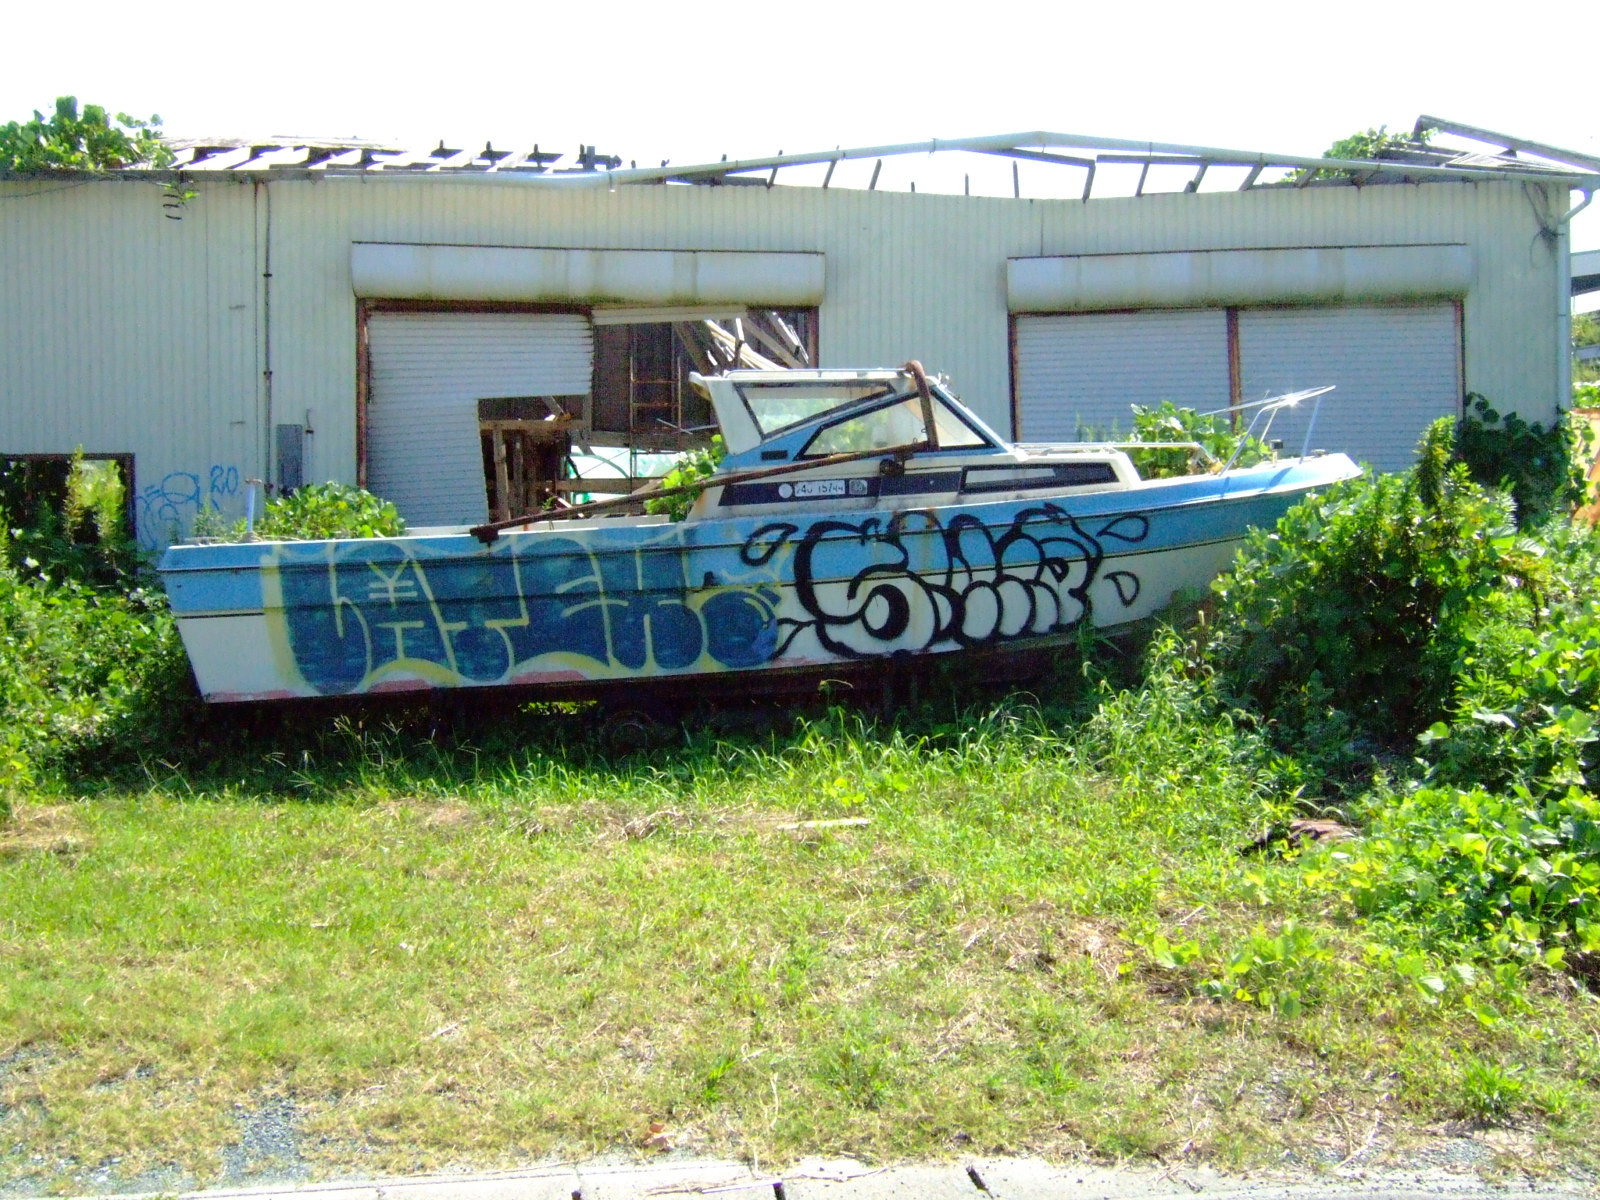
{"points": [[980, 1179]]}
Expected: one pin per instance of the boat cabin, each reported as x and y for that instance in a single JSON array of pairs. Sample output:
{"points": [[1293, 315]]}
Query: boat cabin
{"points": [[855, 439]]}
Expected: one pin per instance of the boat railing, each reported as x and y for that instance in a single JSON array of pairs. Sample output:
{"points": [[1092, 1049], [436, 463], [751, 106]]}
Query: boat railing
{"points": [[1269, 409]]}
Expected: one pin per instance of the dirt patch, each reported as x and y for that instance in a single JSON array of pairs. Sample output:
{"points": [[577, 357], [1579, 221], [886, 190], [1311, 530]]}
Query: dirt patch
{"points": [[43, 829]]}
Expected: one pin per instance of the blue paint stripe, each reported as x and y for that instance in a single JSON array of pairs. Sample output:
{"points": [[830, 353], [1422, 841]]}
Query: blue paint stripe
{"points": [[227, 577]]}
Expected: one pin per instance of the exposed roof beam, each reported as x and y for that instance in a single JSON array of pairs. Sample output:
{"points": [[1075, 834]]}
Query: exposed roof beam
{"points": [[1554, 153]]}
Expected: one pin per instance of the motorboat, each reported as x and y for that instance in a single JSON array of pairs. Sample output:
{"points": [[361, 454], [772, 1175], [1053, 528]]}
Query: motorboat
{"points": [[859, 517]]}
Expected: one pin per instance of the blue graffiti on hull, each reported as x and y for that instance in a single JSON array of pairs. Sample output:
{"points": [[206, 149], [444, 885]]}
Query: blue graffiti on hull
{"points": [[368, 608], [635, 603]]}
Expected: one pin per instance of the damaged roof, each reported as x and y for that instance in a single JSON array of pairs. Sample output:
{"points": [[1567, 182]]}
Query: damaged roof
{"points": [[1161, 167]]}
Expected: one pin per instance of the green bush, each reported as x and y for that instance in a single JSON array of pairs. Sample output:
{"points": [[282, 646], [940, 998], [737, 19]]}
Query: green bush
{"points": [[1526, 708], [1503, 876], [693, 468], [1166, 422], [75, 661], [315, 512], [68, 520], [1349, 619], [1543, 469]]}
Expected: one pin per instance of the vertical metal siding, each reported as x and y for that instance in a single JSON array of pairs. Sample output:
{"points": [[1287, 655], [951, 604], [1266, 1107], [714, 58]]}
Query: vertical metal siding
{"points": [[122, 330], [1085, 370]]}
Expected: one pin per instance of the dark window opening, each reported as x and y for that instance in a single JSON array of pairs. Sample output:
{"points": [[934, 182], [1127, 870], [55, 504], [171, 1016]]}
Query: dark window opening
{"points": [[642, 397], [37, 488]]}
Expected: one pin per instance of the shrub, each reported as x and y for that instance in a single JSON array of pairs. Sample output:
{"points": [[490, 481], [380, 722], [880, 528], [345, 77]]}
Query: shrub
{"points": [[1543, 469], [1168, 423], [1526, 709], [74, 660], [693, 468], [315, 512], [1349, 619], [68, 519], [1506, 876]]}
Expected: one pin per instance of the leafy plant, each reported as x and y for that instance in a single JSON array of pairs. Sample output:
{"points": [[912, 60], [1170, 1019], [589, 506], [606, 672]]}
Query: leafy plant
{"points": [[1506, 876], [1277, 971], [693, 469], [74, 662], [1526, 708], [317, 511], [1543, 469], [1368, 144], [86, 140], [68, 520], [1491, 1093], [1167, 422], [1348, 620]]}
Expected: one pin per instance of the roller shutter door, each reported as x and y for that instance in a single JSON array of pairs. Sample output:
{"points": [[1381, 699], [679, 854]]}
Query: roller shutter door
{"points": [[428, 372], [1082, 371], [1395, 369]]}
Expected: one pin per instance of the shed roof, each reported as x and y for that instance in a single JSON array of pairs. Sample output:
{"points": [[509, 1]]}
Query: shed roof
{"points": [[1161, 166]]}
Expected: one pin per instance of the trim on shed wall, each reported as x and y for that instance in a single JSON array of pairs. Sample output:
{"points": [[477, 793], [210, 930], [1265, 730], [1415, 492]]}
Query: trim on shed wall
{"points": [[527, 274], [1198, 278]]}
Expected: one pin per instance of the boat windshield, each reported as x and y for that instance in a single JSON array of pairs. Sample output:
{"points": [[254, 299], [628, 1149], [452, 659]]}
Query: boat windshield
{"points": [[776, 406], [893, 425]]}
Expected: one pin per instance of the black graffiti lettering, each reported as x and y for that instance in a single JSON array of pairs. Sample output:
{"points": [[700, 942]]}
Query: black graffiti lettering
{"points": [[914, 582]]}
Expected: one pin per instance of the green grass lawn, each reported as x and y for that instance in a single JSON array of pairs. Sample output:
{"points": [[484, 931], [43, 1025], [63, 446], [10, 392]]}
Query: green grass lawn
{"points": [[832, 937]]}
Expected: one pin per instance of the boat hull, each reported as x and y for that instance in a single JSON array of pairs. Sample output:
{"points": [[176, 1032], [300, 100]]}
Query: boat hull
{"points": [[574, 609]]}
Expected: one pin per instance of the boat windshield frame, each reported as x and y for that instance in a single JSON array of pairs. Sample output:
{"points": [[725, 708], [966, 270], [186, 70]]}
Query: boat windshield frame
{"points": [[834, 391], [947, 419]]}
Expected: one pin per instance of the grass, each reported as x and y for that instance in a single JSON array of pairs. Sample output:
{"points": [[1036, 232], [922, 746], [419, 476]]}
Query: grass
{"points": [[891, 941]]}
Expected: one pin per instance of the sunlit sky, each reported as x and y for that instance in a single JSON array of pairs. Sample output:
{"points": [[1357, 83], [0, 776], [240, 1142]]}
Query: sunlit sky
{"points": [[693, 82]]}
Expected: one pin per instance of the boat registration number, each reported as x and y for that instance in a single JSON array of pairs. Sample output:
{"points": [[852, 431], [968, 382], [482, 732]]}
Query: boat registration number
{"points": [[816, 489]]}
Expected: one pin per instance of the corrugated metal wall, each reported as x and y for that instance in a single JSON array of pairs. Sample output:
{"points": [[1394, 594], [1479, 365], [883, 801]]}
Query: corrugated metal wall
{"points": [[121, 330]]}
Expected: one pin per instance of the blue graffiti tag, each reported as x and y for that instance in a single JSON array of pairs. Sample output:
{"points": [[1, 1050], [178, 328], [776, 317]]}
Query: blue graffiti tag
{"points": [[363, 610], [166, 510], [641, 602]]}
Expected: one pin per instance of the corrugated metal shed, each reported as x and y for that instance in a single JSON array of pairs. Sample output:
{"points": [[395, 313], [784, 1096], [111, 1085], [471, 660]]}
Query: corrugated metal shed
{"points": [[185, 341]]}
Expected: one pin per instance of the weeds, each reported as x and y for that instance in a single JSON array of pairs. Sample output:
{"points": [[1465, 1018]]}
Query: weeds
{"points": [[1022, 923]]}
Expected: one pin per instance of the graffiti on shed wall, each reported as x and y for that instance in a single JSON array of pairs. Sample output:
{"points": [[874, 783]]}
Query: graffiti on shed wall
{"points": [[167, 510]]}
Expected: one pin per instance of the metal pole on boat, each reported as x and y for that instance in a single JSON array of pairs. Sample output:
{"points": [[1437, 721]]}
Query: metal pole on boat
{"points": [[250, 509], [1311, 425]]}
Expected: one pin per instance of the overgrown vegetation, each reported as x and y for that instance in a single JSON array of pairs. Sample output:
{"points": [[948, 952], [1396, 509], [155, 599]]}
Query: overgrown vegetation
{"points": [[314, 512], [1542, 469], [1368, 144], [1075, 922], [1166, 422], [692, 470], [90, 139]]}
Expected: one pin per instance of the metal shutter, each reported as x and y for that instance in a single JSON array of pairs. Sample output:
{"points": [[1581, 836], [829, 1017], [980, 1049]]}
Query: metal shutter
{"points": [[429, 370], [1395, 367], [1082, 371]]}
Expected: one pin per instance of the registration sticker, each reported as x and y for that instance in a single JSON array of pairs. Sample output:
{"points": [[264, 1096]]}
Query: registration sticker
{"points": [[811, 489]]}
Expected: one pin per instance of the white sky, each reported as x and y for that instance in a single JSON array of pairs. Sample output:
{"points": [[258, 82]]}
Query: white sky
{"points": [[692, 82]]}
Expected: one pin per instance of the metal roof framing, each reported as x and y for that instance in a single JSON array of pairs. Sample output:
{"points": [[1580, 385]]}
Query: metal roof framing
{"points": [[1509, 158]]}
